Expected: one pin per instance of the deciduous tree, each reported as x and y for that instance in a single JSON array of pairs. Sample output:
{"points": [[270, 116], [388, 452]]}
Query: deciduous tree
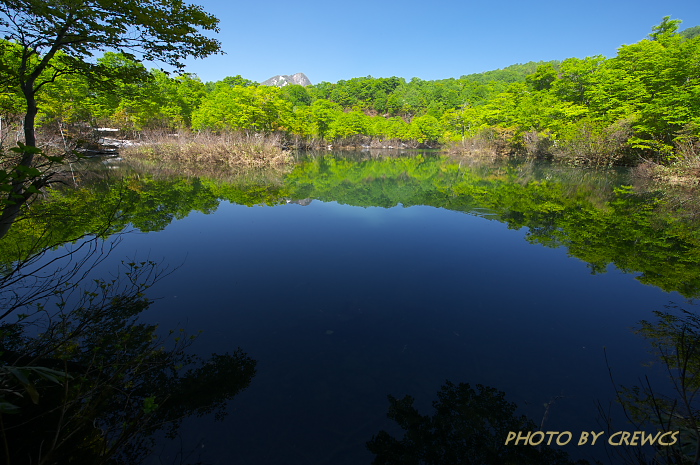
{"points": [[45, 39]]}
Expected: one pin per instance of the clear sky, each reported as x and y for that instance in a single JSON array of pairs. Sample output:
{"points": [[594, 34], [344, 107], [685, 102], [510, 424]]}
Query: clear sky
{"points": [[329, 40]]}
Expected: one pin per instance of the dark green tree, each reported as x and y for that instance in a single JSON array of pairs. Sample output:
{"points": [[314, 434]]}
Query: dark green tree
{"points": [[297, 95], [230, 81], [543, 78], [665, 29], [691, 32]]}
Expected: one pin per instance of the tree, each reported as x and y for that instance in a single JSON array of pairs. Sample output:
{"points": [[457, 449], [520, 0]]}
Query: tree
{"points": [[576, 79], [543, 78], [296, 94], [230, 81], [348, 124], [260, 108], [323, 113], [666, 29], [691, 32], [46, 39], [653, 84], [426, 129]]}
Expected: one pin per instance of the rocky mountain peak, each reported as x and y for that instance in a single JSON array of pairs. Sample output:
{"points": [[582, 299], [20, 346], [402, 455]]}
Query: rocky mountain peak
{"points": [[282, 80]]}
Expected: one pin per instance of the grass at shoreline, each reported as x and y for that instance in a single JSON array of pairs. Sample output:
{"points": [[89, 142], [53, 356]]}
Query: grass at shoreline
{"points": [[225, 149], [683, 173], [241, 150]]}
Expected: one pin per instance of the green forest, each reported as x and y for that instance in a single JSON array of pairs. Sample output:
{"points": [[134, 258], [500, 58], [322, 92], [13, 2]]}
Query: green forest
{"points": [[643, 104]]}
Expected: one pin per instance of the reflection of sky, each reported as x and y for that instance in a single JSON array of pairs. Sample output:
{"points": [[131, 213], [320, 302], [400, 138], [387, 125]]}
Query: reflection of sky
{"points": [[375, 216], [363, 215], [343, 305]]}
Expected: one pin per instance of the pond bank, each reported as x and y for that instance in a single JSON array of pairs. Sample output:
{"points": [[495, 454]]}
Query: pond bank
{"points": [[227, 149]]}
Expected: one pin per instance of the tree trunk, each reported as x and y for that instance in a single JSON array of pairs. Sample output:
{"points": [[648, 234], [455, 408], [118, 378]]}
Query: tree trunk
{"points": [[18, 194], [30, 116]]}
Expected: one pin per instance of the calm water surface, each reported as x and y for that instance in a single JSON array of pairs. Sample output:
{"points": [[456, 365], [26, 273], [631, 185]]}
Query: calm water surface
{"points": [[355, 283]]}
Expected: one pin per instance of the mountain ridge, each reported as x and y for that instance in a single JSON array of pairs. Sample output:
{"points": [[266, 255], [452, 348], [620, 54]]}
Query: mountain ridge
{"points": [[282, 80]]}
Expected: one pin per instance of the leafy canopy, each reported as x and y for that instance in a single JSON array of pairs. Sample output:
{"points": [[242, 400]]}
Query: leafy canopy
{"points": [[153, 29], [42, 40]]}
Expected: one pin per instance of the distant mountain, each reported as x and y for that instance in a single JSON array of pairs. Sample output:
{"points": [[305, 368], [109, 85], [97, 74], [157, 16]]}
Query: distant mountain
{"points": [[512, 73], [284, 80], [691, 32]]}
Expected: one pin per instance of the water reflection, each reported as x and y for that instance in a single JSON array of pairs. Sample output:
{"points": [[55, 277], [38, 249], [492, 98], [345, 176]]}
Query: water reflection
{"points": [[592, 214], [469, 426], [82, 379], [668, 404]]}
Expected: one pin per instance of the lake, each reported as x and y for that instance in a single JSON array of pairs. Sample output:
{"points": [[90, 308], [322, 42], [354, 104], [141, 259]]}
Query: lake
{"points": [[351, 277]]}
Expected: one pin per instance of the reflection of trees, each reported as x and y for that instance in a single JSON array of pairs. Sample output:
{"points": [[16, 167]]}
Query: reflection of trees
{"points": [[141, 200], [469, 427], [602, 225], [675, 406], [83, 381], [645, 233]]}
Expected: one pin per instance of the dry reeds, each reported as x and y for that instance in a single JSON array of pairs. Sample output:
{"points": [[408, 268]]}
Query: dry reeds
{"points": [[685, 172], [490, 143], [230, 149], [592, 144]]}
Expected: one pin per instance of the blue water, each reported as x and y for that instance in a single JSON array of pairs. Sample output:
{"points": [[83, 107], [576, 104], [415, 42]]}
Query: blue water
{"points": [[343, 305]]}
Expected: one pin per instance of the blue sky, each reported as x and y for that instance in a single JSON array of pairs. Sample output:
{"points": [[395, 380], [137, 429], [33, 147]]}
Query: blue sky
{"points": [[330, 41]]}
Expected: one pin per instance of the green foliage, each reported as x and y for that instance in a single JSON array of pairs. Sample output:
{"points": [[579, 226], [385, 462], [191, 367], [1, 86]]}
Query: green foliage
{"points": [[155, 101], [367, 92], [542, 78], [297, 95], [654, 82], [46, 45], [509, 74], [650, 87], [43, 41], [346, 125], [323, 113], [260, 108], [391, 128], [230, 81], [691, 32], [426, 128], [576, 79], [166, 32], [666, 30]]}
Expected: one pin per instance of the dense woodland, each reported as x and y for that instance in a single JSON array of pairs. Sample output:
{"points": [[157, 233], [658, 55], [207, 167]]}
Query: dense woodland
{"points": [[643, 103]]}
